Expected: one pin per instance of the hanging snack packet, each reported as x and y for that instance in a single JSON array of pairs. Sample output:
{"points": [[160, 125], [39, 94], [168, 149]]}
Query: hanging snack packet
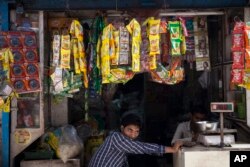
{"points": [[238, 26], [174, 29], [152, 62], [56, 49], [154, 26], [247, 55], [164, 47], [154, 37], [178, 74], [237, 76], [183, 45], [123, 46], [247, 59], [238, 59], [163, 27], [74, 46], [107, 51], [247, 64], [237, 41], [247, 35], [246, 80], [176, 47], [175, 37], [65, 51], [154, 44], [114, 60], [162, 72], [134, 29]]}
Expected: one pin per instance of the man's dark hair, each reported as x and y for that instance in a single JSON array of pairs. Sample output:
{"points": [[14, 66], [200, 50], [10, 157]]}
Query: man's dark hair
{"points": [[131, 119], [198, 109]]}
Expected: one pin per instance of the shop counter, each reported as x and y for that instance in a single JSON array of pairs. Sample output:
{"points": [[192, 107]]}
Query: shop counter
{"points": [[206, 156]]}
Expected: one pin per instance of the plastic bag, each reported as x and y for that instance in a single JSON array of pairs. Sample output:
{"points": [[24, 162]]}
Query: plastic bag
{"points": [[70, 145]]}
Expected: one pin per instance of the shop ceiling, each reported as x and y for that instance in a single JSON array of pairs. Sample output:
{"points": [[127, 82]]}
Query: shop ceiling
{"points": [[127, 4]]}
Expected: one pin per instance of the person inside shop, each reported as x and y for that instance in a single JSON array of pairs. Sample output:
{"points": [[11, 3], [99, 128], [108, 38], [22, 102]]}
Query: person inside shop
{"points": [[113, 152], [185, 131]]}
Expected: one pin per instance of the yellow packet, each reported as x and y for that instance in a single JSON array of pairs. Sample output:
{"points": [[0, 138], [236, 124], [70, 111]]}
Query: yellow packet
{"points": [[136, 63], [105, 65], [76, 55], [115, 59], [98, 48], [119, 73], [154, 41], [183, 45], [134, 28], [65, 51], [154, 27], [152, 62], [76, 30]]}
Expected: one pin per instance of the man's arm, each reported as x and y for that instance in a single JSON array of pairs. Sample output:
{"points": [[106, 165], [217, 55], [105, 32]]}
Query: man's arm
{"points": [[174, 148], [127, 145], [178, 135]]}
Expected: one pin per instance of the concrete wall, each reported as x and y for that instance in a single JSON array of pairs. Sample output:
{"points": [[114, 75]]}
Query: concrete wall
{"points": [[59, 112]]}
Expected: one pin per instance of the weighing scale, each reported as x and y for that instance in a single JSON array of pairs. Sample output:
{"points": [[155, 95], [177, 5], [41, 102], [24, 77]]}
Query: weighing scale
{"points": [[212, 137]]}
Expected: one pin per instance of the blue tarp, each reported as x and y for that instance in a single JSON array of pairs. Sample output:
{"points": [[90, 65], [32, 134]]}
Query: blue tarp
{"points": [[128, 4]]}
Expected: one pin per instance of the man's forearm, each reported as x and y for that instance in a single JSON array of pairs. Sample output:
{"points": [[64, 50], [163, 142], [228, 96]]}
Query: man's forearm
{"points": [[170, 150]]}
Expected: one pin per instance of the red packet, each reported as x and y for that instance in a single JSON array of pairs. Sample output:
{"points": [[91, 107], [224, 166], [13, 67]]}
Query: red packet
{"points": [[30, 55], [18, 55], [238, 26], [29, 39], [237, 41], [237, 76], [163, 26], [19, 84], [238, 59], [14, 39], [33, 84], [17, 71], [31, 69]]}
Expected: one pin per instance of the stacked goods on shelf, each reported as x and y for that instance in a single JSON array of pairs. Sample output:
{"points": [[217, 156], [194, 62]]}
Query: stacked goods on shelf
{"points": [[24, 70]]}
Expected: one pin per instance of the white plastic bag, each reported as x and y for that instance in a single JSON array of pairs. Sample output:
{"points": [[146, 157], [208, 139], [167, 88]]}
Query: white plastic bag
{"points": [[70, 145]]}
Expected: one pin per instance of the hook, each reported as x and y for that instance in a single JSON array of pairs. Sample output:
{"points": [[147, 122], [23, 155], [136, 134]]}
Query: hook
{"points": [[237, 19]]}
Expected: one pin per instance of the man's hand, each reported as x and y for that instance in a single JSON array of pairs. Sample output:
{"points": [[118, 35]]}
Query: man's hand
{"points": [[177, 145], [174, 148], [195, 136]]}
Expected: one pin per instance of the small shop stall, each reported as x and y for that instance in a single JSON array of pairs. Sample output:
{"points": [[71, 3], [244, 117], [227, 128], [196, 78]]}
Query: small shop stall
{"points": [[81, 57]]}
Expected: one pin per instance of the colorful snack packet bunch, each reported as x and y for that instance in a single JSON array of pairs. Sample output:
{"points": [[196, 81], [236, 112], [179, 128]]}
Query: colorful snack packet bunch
{"points": [[238, 53], [134, 29]]}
